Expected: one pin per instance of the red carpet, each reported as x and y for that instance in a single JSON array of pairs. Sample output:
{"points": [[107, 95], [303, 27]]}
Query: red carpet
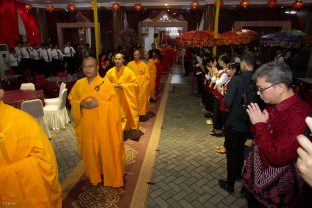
{"points": [[81, 194]]}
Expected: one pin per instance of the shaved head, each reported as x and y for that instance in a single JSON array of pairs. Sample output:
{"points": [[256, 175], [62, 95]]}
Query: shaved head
{"points": [[90, 58]]}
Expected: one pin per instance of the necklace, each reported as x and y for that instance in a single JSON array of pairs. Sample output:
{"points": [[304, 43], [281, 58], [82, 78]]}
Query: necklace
{"points": [[97, 88]]}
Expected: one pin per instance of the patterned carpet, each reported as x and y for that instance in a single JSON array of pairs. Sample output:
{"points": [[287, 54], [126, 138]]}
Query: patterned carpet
{"points": [[78, 191]]}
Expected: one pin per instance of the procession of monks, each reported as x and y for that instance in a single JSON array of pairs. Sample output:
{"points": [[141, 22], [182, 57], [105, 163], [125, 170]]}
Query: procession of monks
{"points": [[103, 109]]}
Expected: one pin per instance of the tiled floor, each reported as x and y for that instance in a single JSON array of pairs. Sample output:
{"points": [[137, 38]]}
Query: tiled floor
{"points": [[187, 167]]}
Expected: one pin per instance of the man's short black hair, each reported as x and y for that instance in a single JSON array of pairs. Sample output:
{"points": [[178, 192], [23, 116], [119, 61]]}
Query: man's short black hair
{"points": [[249, 59]]}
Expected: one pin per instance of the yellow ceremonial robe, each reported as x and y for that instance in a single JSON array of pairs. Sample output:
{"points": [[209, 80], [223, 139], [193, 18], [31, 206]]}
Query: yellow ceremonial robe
{"points": [[28, 168], [98, 131], [152, 72], [128, 95], [141, 71]]}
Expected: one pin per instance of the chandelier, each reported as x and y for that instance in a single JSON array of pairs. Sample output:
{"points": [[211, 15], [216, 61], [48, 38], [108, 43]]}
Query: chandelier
{"points": [[71, 7], [272, 3], [138, 7], [194, 4], [244, 3], [28, 7], [116, 6], [50, 8], [297, 4]]}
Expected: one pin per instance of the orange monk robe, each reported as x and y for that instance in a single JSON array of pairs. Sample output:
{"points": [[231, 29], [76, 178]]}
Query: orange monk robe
{"points": [[128, 95], [28, 168], [142, 73], [165, 59], [152, 70], [159, 71], [98, 130], [174, 55]]}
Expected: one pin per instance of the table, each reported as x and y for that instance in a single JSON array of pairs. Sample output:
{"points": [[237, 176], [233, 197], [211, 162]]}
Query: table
{"points": [[52, 85], [16, 97]]}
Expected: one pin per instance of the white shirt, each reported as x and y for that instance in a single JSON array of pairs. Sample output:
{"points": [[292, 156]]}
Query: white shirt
{"points": [[18, 53], [46, 55], [69, 51], [25, 52], [36, 54], [13, 60], [237, 59], [223, 78], [57, 54], [279, 58]]}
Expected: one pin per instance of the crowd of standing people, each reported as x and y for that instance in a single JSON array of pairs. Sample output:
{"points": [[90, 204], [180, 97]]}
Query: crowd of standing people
{"points": [[244, 102], [256, 103]]}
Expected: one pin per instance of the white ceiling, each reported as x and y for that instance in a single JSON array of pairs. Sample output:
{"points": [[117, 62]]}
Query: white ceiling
{"points": [[147, 3]]}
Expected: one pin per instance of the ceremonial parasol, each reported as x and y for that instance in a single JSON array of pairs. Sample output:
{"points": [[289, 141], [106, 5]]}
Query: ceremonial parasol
{"points": [[196, 38], [243, 36], [284, 39]]}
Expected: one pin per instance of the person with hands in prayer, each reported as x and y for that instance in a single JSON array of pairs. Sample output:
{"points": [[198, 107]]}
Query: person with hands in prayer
{"points": [[97, 121], [270, 176], [304, 161]]}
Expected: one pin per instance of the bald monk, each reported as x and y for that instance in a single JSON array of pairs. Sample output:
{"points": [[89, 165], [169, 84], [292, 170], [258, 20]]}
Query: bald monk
{"points": [[28, 168], [152, 70], [127, 88], [141, 71], [97, 121]]}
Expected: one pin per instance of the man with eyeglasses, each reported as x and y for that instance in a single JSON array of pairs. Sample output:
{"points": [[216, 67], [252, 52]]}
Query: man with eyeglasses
{"points": [[97, 121], [270, 176]]}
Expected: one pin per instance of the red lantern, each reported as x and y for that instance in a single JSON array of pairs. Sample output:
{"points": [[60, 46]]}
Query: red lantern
{"points": [[221, 3], [28, 7], [50, 8], [297, 4], [116, 6], [272, 3], [195, 4], [138, 7], [244, 3], [71, 7]]}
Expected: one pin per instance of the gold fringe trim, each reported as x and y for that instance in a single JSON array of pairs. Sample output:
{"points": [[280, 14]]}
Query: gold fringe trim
{"points": [[141, 191], [72, 178]]}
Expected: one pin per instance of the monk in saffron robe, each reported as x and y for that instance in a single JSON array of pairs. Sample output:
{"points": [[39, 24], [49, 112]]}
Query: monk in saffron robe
{"points": [[127, 88], [141, 71], [159, 70], [28, 168], [97, 121], [152, 70]]}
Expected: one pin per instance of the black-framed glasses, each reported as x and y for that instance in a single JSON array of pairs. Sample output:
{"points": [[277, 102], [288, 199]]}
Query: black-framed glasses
{"points": [[261, 90]]}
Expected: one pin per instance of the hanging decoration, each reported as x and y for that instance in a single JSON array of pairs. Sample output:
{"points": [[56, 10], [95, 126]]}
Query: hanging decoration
{"points": [[221, 3], [92, 5], [272, 3], [138, 7], [116, 6], [28, 7], [71, 7], [50, 8], [297, 4], [244, 3], [194, 4]]}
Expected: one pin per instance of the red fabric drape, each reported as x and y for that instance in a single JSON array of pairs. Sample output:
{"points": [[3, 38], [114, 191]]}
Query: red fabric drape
{"points": [[32, 32], [9, 23]]}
